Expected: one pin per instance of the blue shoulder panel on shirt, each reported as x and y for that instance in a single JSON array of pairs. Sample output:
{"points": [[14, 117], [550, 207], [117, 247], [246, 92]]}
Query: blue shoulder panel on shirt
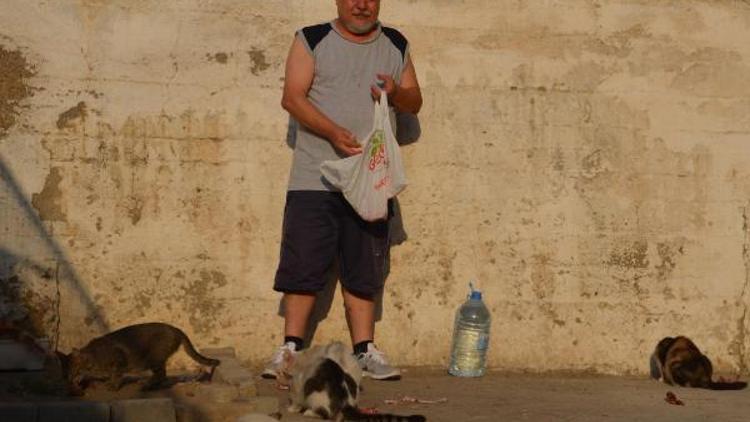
{"points": [[314, 34], [397, 39]]}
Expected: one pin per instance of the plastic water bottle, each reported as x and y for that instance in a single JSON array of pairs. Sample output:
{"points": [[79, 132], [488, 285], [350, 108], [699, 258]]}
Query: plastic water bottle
{"points": [[471, 337]]}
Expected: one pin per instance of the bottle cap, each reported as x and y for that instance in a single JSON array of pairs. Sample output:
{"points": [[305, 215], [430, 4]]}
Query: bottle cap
{"points": [[475, 294]]}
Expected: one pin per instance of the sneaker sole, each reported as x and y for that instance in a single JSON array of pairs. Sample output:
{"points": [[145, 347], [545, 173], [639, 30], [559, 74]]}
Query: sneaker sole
{"points": [[393, 376]]}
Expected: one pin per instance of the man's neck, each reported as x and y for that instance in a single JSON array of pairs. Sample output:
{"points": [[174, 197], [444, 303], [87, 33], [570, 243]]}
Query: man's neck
{"points": [[353, 36]]}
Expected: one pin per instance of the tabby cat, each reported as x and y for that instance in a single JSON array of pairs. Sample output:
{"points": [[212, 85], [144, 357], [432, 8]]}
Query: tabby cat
{"points": [[133, 348]]}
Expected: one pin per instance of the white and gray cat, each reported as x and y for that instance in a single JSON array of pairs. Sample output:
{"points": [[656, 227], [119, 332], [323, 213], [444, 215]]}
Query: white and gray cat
{"points": [[325, 382]]}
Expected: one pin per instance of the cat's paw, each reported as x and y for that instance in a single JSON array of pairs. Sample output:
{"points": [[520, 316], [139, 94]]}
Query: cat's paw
{"points": [[310, 414]]}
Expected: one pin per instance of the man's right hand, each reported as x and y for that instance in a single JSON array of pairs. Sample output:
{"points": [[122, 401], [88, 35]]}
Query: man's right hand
{"points": [[345, 142]]}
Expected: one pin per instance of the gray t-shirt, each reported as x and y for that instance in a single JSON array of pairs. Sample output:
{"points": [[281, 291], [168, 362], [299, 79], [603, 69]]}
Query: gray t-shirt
{"points": [[344, 72]]}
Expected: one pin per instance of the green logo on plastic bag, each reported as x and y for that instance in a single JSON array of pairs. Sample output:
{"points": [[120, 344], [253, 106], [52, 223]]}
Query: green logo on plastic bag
{"points": [[377, 149]]}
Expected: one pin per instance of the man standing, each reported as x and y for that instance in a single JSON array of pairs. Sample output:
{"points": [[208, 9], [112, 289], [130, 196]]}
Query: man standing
{"points": [[334, 72]]}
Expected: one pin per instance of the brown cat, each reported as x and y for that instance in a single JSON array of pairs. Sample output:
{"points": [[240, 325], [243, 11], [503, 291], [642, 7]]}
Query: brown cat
{"points": [[678, 361], [130, 349]]}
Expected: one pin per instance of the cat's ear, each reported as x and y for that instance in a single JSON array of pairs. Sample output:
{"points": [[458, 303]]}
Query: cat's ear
{"points": [[288, 358]]}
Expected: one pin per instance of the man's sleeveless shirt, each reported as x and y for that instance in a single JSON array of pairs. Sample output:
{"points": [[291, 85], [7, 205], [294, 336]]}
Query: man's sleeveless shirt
{"points": [[344, 72]]}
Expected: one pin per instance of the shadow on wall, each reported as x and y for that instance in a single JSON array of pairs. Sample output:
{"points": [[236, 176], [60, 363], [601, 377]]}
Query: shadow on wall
{"points": [[408, 131], [34, 270]]}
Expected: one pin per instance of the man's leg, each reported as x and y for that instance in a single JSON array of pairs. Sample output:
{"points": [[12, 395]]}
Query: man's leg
{"points": [[297, 310], [308, 247], [363, 256], [360, 316]]}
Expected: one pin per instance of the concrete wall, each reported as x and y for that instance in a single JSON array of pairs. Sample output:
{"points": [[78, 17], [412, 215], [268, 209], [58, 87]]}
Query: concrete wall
{"points": [[587, 162]]}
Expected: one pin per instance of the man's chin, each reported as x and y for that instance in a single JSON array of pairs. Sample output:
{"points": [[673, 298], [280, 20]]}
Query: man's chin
{"points": [[362, 28]]}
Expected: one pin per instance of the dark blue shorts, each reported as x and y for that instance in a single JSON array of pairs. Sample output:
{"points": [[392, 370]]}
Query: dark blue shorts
{"points": [[320, 227]]}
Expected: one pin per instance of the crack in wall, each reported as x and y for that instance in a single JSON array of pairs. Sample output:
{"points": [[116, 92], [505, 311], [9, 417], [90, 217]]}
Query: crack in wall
{"points": [[741, 334], [58, 299]]}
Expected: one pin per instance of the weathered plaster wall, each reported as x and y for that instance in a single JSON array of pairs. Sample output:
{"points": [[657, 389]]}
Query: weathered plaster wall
{"points": [[586, 161]]}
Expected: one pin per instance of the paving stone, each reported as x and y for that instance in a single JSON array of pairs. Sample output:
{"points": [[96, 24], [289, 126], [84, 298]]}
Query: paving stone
{"points": [[256, 417], [15, 355], [143, 410], [218, 352], [80, 411], [246, 390], [217, 393], [232, 372], [17, 412], [265, 404]]}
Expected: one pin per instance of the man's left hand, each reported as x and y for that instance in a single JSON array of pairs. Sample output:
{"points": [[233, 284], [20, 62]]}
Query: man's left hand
{"points": [[389, 86]]}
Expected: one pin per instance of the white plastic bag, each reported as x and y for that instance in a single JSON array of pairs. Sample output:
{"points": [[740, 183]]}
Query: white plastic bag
{"points": [[369, 179]]}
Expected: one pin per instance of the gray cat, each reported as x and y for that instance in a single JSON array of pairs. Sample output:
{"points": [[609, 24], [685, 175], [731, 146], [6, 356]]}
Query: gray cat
{"points": [[134, 348]]}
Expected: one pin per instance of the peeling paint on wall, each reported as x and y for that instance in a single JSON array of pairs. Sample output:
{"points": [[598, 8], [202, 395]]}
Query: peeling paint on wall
{"points": [[669, 253], [200, 302], [69, 116], [14, 88], [630, 255], [27, 308], [48, 202], [542, 276], [738, 346], [220, 57], [258, 58], [134, 208]]}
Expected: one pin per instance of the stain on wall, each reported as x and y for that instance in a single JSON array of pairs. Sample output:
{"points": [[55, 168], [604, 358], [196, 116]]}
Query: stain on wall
{"points": [[71, 115], [630, 255], [199, 300], [48, 202], [258, 58], [218, 57], [27, 301], [15, 72]]}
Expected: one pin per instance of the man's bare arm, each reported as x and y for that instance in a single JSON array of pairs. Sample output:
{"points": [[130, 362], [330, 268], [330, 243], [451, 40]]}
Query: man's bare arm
{"points": [[300, 69]]}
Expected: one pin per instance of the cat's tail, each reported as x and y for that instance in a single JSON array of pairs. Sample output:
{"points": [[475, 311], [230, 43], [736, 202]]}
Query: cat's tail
{"points": [[730, 385], [190, 350], [354, 414]]}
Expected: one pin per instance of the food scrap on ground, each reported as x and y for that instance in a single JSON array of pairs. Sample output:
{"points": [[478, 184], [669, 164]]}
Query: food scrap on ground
{"points": [[409, 399], [671, 398]]}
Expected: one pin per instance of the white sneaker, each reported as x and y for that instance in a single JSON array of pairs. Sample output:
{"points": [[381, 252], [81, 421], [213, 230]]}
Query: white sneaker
{"points": [[375, 365], [274, 366]]}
